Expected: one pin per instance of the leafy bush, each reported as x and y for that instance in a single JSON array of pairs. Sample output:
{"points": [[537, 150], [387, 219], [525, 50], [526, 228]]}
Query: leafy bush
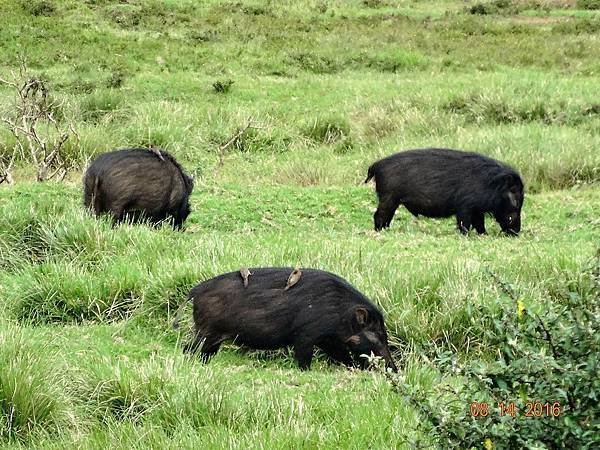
{"points": [[545, 364]]}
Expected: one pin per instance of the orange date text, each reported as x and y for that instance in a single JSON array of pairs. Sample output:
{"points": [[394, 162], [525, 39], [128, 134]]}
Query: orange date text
{"points": [[532, 409]]}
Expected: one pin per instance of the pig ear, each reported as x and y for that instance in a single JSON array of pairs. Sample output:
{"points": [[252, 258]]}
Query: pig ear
{"points": [[505, 180], [361, 315], [512, 198]]}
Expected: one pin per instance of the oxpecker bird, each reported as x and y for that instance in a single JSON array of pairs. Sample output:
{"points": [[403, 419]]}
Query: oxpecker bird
{"points": [[293, 278], [245, 273]]}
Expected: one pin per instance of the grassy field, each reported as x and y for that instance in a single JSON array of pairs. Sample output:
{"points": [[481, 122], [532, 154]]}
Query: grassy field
{"points": [[87, 355]]}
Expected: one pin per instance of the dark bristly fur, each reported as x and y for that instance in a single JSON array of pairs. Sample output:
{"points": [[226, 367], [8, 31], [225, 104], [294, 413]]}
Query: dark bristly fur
{"points": [[437, 182], [135, 184], [322, 310]]}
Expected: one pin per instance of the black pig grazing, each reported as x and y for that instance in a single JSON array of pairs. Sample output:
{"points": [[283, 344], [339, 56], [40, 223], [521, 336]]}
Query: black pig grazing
{"points": [[437, 182], [322, 310], [136, 184]]}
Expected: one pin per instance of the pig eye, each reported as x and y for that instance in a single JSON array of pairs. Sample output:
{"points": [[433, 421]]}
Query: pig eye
{"points": [[510, 219]]}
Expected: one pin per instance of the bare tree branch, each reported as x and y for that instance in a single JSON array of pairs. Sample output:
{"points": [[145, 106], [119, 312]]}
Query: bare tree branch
{"points": [[236, 137], [34, 113]]}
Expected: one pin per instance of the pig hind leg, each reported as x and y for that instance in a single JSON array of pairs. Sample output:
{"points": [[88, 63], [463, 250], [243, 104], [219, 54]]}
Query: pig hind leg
{"points": [[385, 212], [207, 346], [179, 216], [117, 215], [194, 345]]}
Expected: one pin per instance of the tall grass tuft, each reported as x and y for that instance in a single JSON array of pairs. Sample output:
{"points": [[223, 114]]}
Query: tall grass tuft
{"points": [[327, 129], [32, 398], [102, 106]]}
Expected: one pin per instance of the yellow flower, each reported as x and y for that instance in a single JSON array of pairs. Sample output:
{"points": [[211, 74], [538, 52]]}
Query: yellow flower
{"points": [[488, 444], [520, 308]]}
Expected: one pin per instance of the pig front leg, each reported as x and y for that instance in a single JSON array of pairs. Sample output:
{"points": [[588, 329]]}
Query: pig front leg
{"points": [[303, 352], [337, 352]]}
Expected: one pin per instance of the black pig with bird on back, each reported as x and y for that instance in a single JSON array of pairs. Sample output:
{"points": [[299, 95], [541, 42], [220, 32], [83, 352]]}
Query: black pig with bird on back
{"points": [[138, 184], [437, 182], [321, 310]]}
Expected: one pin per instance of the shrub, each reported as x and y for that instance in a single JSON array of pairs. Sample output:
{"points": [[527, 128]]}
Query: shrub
{"points": [[545, 367], [35, 121]]}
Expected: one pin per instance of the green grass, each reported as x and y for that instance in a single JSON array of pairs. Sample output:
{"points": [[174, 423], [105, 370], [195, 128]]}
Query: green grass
{"points": [[87, 355]]}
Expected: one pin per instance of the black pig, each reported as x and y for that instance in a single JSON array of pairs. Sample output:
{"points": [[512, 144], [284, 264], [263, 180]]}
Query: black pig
{"points": [[136, 184], [322, 310], [437, 182]]}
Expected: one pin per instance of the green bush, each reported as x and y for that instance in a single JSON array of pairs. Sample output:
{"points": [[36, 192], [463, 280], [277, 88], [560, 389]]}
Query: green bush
{"points": [[544, 365]]}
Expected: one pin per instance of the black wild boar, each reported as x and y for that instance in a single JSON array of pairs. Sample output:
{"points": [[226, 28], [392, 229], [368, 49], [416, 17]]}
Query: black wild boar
{"points": [[321, 310], [136, 184], [437, 182]]}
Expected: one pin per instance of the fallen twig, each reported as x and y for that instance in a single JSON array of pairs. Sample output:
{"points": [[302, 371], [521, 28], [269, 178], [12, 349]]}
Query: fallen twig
{"points": [[235, 138]]}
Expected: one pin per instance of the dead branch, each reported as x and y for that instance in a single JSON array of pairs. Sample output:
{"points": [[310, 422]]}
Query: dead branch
{"points": [[236, 137], [6, 164], [33, 112]]}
